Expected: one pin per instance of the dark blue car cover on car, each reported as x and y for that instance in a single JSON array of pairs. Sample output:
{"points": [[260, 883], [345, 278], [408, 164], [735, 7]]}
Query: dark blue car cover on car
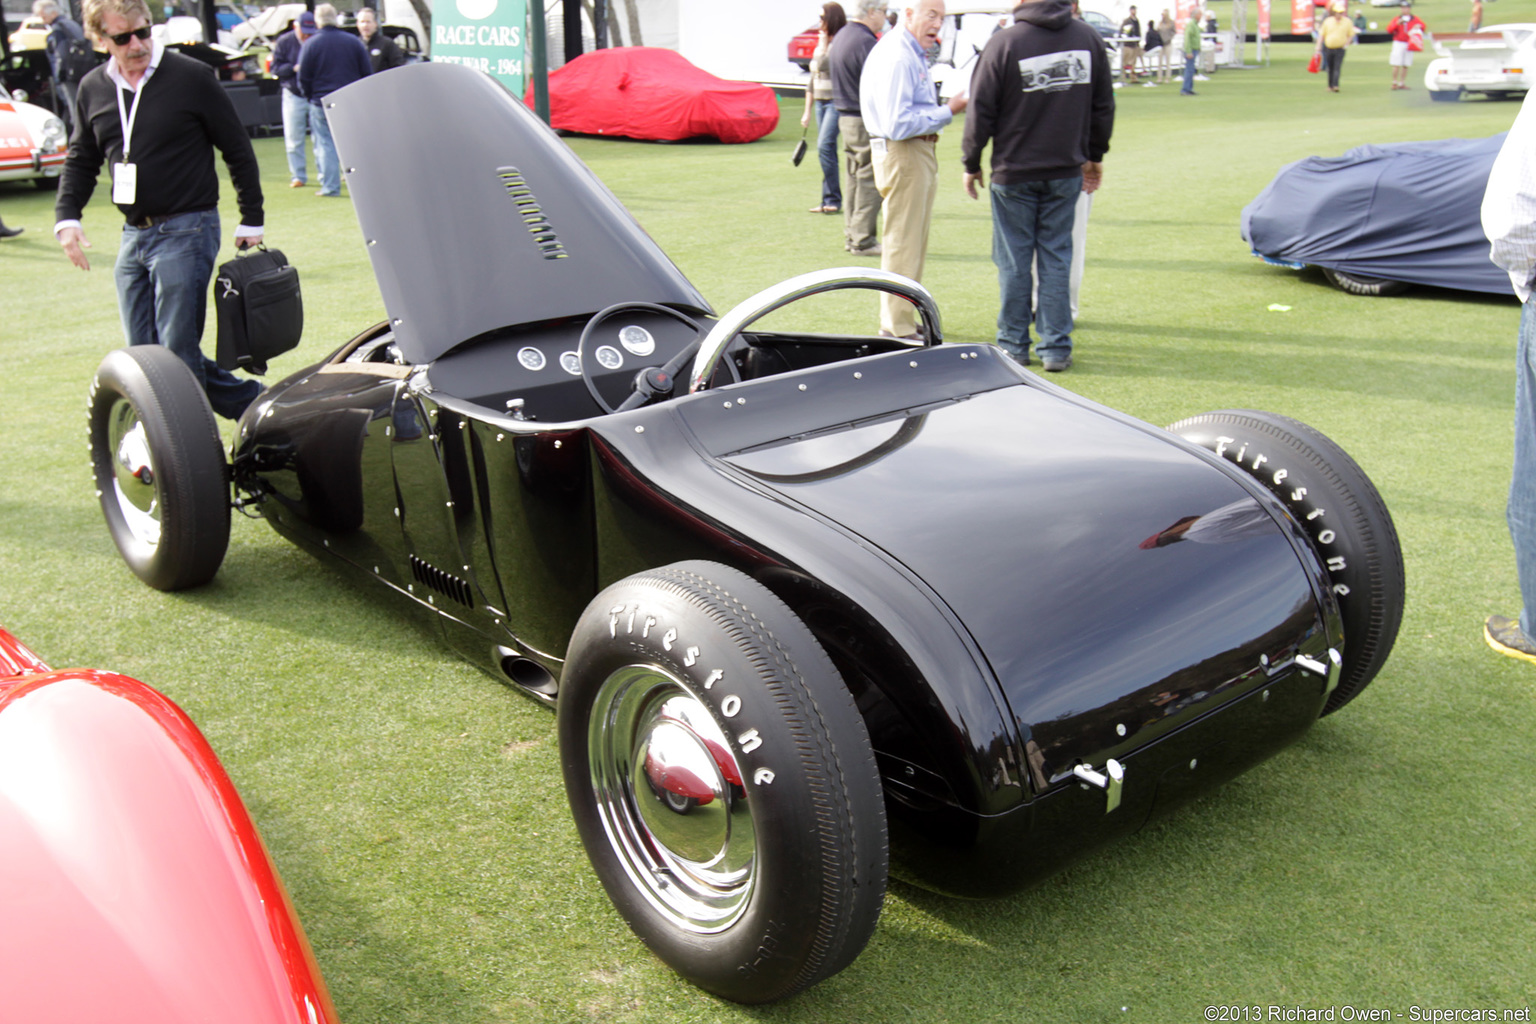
{"points": [[1403, 212]]}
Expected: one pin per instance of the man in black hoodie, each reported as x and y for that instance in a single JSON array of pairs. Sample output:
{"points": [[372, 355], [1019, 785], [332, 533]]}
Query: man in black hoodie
{"points": [[1043, 96]]}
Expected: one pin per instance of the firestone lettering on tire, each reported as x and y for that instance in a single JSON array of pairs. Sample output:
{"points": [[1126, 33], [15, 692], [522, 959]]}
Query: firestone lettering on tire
{"points": [[624, 617], [1322, 537]]}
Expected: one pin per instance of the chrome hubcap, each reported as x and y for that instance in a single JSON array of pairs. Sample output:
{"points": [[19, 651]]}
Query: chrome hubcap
{"points": [[133, 476], [670, 796]]}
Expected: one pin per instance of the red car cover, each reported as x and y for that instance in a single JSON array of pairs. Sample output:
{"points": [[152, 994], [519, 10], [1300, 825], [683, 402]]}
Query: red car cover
{"points": [[643, 92]]}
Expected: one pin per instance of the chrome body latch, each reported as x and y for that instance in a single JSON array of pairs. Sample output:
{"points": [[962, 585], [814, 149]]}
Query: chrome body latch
{"points": [[1330, 671], [1109, 780]]}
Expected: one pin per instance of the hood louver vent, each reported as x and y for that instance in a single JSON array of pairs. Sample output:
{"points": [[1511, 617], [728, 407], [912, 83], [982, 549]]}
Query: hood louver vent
{"points": [[532, 212]]}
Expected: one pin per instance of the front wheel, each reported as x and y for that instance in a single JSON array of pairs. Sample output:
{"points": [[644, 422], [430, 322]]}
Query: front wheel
{"points": [[159, 467], [1338, 507], [1360, 284], [722, 781]]}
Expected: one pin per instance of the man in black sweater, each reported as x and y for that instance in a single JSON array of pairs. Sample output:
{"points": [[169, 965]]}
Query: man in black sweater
{"points": [[1042, 95], [156, 117]]}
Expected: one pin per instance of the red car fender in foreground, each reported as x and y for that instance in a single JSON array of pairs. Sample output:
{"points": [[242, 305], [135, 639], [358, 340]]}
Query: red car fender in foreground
{"points": [[133, 885]]}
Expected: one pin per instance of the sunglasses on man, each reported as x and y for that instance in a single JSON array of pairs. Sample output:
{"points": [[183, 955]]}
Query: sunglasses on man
{"points": [[121, 39]]}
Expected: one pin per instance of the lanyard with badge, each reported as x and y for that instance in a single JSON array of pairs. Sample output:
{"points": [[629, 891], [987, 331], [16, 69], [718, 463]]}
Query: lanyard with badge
{"points": [[125, 176]]}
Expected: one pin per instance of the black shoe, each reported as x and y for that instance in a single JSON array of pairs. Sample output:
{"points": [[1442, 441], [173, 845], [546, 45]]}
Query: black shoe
{"points": [[1506, 637], [6, 232]]}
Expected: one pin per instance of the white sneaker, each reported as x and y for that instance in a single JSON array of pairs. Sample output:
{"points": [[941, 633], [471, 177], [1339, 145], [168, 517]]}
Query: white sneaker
{"points": [[1149, 85]]}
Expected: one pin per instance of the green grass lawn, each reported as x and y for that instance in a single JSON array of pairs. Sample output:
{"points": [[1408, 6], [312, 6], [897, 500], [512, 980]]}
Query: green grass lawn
{"points": [[414, 806]]}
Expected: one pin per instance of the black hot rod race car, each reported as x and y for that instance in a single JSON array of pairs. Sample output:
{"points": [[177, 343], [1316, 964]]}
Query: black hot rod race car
{"points": [[810, 607]]}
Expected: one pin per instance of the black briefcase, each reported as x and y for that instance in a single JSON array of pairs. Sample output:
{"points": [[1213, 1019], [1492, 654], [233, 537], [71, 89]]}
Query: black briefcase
{"points": [[261, 313]]}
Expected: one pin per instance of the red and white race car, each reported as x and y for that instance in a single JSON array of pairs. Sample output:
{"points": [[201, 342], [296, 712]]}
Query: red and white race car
{"points": [[32, 142]]}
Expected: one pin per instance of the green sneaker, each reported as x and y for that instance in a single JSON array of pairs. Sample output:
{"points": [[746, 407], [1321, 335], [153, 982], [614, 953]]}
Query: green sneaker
{"points": [[1506, 637]]}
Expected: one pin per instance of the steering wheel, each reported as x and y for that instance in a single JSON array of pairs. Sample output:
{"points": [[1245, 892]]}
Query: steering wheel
{"points": [[782, 294], [651, 382]]}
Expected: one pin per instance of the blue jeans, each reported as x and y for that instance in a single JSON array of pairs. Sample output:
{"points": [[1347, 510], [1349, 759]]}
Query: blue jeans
{"points": [[326, 159], [1189, 74], [1032, 221], [1522, 484], [295, 127], [162, 278], [826, 151]]}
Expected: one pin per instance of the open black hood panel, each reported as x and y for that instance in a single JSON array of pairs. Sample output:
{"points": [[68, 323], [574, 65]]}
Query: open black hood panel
{"points": [[473, 230]]}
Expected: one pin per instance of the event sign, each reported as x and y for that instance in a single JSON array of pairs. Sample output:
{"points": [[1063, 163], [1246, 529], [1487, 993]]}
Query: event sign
{"points": [[484, 34], [1301, 17]]}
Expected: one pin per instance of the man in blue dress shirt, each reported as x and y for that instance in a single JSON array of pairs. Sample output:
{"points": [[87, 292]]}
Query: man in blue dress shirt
{"points": [[898, 103]]}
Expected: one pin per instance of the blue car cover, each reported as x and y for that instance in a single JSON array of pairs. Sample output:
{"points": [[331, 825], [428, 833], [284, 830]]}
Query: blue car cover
{"points": [[1403, 212]]}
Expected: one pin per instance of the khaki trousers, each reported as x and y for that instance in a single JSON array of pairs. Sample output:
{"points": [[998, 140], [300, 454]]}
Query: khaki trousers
{"points": [[861, 202], [907, 175]]}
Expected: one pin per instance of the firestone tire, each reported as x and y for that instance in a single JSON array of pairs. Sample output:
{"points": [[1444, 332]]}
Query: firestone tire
{"points": [[1340, 510], [159, 467], [1359, 284], [722, 781]]}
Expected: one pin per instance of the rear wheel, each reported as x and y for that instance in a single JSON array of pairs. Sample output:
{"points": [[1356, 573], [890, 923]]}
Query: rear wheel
{"points": [[1338, 507], [159, 467], [722, 781], [1359, 284]]}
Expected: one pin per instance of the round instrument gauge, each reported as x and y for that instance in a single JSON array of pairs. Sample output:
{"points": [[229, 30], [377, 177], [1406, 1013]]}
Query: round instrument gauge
{"points": [[637, 340]]}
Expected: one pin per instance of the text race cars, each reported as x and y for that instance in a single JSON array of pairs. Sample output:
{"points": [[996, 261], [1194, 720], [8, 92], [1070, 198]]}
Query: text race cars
{"points": [[806, 605]]}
